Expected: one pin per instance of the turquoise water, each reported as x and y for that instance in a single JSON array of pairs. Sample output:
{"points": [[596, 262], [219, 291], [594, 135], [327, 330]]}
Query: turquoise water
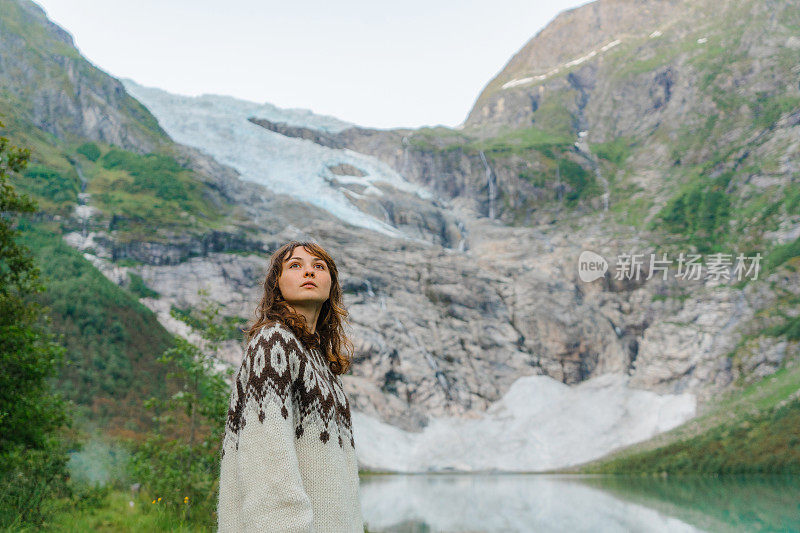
{"points": [[520, 502]]}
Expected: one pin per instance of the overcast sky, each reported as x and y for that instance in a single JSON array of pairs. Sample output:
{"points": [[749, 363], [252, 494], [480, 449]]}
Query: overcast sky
{"points": [[378, 64]]}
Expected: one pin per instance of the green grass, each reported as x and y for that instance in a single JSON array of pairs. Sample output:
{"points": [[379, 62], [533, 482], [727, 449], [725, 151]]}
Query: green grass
{"points": [[438, 138], [764, 443], [782, 253], [616, 151], [790, 328], [767, 109], [138, 287], [701, 213], [111, 512], [753, 430], [138, 192], [522, 141], [630, 212], [146, 191], [57, 186], [232, 324]]}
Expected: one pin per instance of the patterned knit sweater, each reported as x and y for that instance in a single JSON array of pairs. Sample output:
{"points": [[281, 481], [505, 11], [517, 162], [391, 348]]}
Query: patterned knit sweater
{"points": [[288, 458]]}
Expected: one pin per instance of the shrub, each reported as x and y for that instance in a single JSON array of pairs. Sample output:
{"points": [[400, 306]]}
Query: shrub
{"points": [[90, 151]]}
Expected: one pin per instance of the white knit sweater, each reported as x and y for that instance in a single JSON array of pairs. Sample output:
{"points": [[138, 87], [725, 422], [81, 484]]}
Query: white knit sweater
{"points": [[288, 459]]}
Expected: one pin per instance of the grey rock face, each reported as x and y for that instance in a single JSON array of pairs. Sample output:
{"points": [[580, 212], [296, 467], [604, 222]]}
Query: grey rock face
{"points": [[440, 331]]}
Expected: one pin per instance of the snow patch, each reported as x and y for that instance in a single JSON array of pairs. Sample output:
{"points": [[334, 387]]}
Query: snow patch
{"points": [[559, 68], [539, 424]]}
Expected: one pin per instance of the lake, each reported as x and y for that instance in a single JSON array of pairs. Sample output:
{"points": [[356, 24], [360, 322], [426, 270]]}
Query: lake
{"points": [[536, 502]]}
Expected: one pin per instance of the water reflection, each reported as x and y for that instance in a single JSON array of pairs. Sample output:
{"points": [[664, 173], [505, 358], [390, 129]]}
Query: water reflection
{"points": [[735, 503], [518, 502]]}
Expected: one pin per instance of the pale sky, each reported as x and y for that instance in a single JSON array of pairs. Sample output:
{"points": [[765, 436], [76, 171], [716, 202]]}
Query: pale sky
{"points": [[373, 63]]}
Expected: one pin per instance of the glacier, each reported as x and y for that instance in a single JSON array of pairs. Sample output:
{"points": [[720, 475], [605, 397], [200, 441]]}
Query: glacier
{"points": [[218, 126], [539, 424]]}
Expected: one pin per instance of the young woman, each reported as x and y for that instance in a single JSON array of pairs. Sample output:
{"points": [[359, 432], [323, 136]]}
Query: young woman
{"points": [[288, 458]]}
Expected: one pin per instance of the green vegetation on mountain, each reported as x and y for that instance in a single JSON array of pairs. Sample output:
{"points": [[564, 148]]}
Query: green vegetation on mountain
{"points": [[124, 375], [133, 192], [90, 151], [689, 115], [143, 191], [111, 339], [33, 452], [231, 330], [751, 430]]}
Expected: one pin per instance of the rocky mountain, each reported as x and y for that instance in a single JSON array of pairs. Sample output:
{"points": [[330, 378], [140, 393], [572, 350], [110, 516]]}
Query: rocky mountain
{"points": [[46, 82], [621, 128]]}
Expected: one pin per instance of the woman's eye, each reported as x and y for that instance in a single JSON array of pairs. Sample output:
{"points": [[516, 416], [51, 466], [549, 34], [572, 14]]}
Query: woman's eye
{"points": [[321, 266]]}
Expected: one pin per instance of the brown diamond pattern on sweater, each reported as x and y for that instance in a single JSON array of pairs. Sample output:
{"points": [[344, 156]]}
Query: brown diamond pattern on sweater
{"points": [[277, 365], [320, 398]]}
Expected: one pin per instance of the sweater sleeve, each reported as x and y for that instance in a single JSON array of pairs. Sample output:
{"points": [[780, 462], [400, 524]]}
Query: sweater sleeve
{"points": [[272, 494]]}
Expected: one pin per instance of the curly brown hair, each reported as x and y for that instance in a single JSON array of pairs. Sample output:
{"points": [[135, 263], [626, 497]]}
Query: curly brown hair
{"points": [[329, 338]]}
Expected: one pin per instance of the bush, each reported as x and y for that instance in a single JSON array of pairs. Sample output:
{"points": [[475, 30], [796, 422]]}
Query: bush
{"points": [[90, 151], [50, 184], [701, 213], [179, 461], [153, 173], [29, 479]]}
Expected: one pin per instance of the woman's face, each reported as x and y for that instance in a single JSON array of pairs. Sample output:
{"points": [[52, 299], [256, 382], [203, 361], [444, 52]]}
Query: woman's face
{"points": [[305, 279]]}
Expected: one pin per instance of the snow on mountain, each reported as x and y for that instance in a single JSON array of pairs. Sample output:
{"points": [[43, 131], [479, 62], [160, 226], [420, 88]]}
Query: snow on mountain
{"points": [[218, 125], [539, 424]]}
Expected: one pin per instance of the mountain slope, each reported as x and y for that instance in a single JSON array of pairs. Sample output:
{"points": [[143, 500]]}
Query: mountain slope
{"points": [[47, 83], [692, 98]]}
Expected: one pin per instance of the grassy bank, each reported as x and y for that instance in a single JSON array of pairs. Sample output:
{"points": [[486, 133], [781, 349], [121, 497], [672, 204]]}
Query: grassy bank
{"points": [[750, 431]]}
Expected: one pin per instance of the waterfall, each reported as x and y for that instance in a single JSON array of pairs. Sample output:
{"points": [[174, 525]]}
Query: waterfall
{"points": [[405, 157], [583, 149], [462, 242], [490, 184], [437, 372], [83, 210], [369, 288]]}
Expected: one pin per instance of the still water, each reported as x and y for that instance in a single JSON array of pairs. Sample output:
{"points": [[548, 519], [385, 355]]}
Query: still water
{"points": [[520, 502]]}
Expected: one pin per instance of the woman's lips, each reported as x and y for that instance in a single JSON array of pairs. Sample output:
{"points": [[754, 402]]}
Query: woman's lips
{"points": [[309, 285]]}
